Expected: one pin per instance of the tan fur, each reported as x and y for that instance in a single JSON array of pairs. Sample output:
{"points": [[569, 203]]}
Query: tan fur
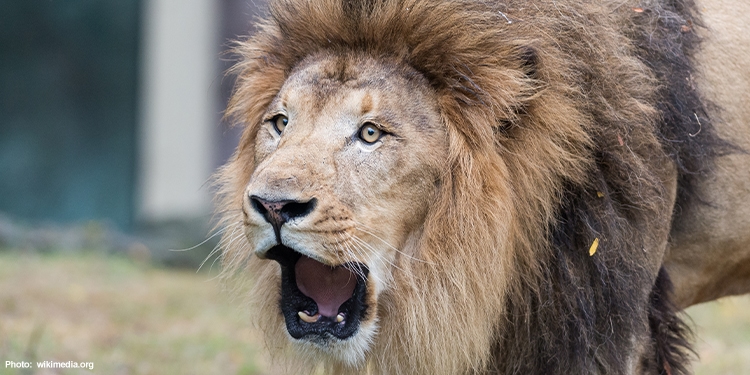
{"points": [[453, 213], [710, 257]]}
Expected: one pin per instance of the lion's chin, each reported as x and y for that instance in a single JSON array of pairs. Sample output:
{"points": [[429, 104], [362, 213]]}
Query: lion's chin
{"points": [[321, 303]]}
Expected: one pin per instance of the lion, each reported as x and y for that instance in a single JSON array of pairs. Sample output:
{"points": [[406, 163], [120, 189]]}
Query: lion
{"points": [[481, 187]]}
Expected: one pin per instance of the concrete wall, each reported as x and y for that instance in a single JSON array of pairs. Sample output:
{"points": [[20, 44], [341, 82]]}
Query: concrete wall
{"points": [[180, 108]]}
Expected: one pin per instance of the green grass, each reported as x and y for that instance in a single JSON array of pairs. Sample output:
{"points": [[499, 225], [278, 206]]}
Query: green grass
{"points": [[132, 318]]}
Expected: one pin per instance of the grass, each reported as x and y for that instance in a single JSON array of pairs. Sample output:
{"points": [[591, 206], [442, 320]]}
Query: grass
{"points": [[126, 317], [722, 331], [132, 318]]}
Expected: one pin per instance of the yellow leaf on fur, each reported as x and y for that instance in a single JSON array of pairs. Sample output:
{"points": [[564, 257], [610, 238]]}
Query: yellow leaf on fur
{"points": [[593, 247], [600, 194]]}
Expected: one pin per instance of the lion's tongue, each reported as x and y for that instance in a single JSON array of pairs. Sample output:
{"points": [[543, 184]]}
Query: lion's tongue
{"points": [[328, 287]]}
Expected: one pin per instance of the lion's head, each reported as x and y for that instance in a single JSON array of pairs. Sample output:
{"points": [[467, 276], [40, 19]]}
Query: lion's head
{"points": [[345, 170], [401, 170]]}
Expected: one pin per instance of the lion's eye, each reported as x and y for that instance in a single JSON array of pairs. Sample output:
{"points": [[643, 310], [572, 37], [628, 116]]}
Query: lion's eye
{"points": [[369, 133], [279, 123]]}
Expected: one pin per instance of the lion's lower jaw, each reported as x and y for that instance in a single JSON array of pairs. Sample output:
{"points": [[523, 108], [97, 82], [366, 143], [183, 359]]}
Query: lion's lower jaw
{"points": [[334, 353]]}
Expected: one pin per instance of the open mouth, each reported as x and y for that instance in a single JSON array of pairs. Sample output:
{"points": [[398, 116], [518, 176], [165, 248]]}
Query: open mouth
{"points": [[317, 300]]}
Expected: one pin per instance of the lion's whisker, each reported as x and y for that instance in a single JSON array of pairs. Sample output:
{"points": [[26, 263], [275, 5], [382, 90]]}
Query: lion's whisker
{"points": [[353, 252], [218, 248], [222, 246], [218, 232], [362, 227], [358, 250], [224, 273], [367, 246], [345, 247], [237, 253]]}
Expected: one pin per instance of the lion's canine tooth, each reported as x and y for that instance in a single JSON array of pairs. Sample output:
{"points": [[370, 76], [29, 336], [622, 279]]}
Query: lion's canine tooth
{"points": [[339, 318], [307, 318]]}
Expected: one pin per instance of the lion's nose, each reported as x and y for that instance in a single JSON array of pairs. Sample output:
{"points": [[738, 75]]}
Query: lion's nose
{"points": [[279, 212]]}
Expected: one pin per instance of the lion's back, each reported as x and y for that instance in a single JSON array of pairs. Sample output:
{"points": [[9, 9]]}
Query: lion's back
{"points": [[710, 256]]}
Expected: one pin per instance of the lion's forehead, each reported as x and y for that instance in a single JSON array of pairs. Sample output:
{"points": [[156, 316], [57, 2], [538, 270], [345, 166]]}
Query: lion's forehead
{"points": [[330, 89]]}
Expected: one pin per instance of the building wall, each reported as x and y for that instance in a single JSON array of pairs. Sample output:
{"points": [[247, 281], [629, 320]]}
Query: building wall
{"points": [[180, 109]]}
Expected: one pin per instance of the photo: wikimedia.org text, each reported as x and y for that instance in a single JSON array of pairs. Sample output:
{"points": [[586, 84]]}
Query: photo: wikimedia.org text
{"points": [[49, 365]]}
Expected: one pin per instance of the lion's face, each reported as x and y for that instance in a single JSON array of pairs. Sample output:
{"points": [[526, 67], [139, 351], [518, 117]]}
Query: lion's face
{"points": [[348, 159]]}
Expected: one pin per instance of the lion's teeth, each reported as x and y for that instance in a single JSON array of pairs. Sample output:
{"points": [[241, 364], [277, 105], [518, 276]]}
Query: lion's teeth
{"points": [[339, 318], [307, 318]]}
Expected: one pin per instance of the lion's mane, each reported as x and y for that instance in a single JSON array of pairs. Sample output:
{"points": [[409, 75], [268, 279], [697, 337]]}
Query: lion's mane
{"points": [[562, 130]]}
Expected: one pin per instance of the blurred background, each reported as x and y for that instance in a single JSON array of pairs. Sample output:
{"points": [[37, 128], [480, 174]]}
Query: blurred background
{"points": [[110, 128], [111, 118]]}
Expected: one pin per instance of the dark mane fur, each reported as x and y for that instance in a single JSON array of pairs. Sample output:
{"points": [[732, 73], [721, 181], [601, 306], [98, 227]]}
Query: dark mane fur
{"points": [[601, 309], [666, 42]]}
